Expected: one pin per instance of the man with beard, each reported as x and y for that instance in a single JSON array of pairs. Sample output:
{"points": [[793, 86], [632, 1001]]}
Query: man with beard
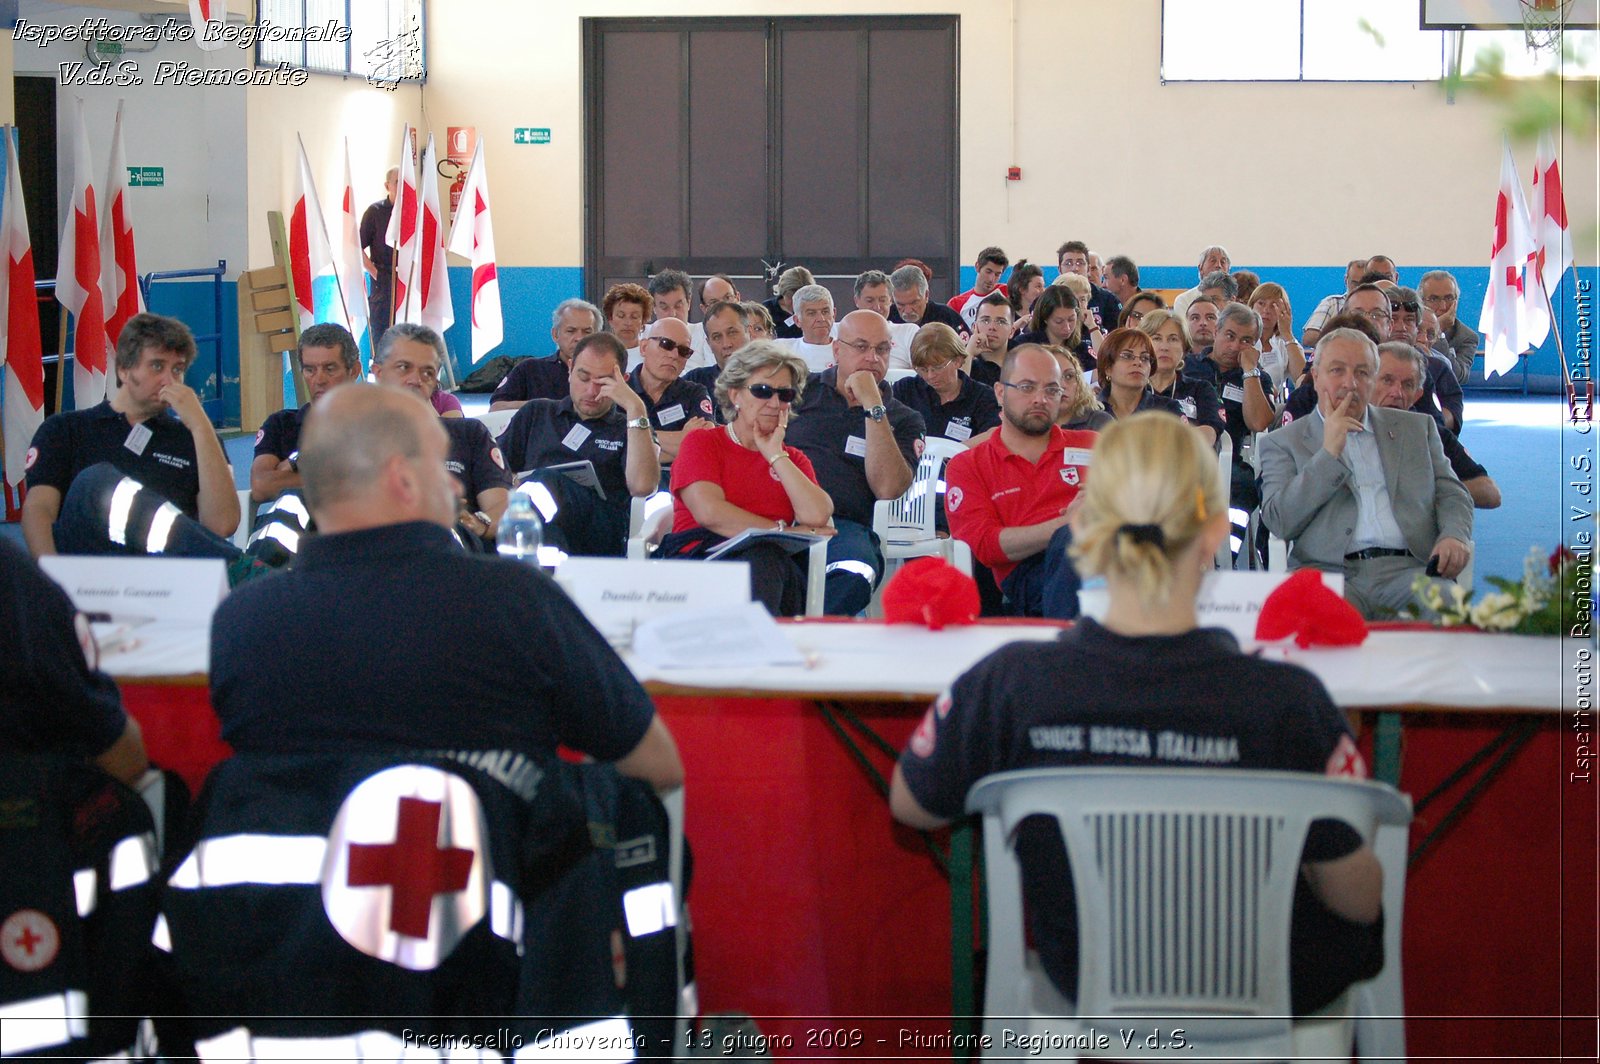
{"points": [[1007, 498]]}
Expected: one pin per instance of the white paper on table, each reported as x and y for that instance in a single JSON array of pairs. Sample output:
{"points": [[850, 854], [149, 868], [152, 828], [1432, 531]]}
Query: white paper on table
{"points": [[732, 637]]}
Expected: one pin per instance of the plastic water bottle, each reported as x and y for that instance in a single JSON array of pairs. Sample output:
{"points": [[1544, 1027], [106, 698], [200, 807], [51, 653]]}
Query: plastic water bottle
{"points": [[521, 531]]}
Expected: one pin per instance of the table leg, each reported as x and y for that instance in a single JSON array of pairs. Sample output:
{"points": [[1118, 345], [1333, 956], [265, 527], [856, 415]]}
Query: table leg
{"points": [[962, 1004], [1386, 748]]}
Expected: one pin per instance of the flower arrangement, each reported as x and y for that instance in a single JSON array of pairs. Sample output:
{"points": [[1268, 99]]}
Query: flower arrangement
{"points": [[1551, 593]]}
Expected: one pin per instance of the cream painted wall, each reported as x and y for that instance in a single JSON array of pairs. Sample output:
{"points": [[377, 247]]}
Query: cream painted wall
{"points": [[1314, 174], [8, 91]]}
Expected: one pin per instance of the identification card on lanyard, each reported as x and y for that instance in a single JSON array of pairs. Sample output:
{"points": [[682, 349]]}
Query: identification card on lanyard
{"points": [[138, 439]]}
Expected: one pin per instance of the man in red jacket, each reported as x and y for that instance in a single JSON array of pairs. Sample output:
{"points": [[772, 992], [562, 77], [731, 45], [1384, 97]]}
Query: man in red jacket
{"points": [[1007, 498]]}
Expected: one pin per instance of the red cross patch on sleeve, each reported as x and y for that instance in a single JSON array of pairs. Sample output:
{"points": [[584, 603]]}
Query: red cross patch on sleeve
{"points": [[1346, 760]]}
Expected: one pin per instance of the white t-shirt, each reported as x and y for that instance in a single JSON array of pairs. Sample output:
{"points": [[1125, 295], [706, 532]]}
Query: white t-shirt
{"points": [[818, 356]]}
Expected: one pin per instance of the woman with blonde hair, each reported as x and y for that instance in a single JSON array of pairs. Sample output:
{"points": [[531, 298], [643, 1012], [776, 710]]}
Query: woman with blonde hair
{"points": [[1080, 407], [1093, 328], [1149, 520], [1282, 357], [1197, 399]]}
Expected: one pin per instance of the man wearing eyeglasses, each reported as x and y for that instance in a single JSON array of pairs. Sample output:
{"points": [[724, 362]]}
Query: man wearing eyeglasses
{"points": [[675, 406], [1075, 257], [991, 333], [863, 445], [1442, 295], [1441, 385], [602, 421], [1007, 498]]}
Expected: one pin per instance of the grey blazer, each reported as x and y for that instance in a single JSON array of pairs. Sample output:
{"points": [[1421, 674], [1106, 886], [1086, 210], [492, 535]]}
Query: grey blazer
{"points": [[1309, 496]]}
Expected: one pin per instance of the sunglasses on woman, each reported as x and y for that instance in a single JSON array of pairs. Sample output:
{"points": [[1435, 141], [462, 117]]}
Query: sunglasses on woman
{"points": [[767, 391]]}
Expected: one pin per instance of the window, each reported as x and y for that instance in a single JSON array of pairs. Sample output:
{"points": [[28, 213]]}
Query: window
{"points": [[1338, 40], [385, 43]]}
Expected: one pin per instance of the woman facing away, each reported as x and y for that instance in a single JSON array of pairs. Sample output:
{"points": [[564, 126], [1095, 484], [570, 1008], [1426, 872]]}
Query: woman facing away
{"points": [[741, 476], [1150, 521]]}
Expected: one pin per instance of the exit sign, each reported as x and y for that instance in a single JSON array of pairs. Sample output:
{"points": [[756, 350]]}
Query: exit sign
{"points": [[147, 176], [530, 135]]}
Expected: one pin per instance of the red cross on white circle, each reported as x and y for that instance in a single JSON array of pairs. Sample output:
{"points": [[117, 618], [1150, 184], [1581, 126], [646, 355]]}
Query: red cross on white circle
{"points": [[29, 940]]}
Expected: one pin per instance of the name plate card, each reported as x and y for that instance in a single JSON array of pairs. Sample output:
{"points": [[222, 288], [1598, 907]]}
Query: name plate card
{"points": [[1227, 600], [618, 595], [133, 590]]}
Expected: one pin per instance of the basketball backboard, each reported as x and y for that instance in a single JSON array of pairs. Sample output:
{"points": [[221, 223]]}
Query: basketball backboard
{"points": [[1497, 14]]}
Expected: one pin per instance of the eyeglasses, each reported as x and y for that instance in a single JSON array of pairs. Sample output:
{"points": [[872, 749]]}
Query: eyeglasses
{"points": [[1439, 301], [767, 391], [1135, 356], [1029, 388], [931, 368], [861, 347], [673, 347], [1375, 314]]}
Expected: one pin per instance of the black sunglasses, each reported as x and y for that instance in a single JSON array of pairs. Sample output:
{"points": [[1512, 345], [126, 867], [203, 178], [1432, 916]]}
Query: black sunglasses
{"points": [[673, 347], [767, 391]]}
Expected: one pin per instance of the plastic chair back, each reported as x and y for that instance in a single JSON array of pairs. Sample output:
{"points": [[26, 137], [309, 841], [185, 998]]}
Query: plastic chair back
{"points": [[1225, 466], [496, 420], [1184, 882], [909, 520]]}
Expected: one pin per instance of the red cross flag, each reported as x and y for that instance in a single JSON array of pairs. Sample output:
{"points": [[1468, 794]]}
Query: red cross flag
{"points": [[78, 276], [348, 264], [19, 327], [119, 271], [309, 254], [432, 289], [1505, 320], [402, 234], [208, 14], [473, 238], [1552, 238]]}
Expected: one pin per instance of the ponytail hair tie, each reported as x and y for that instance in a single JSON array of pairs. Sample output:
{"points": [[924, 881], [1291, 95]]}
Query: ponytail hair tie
{"points": [[1151, 534]]}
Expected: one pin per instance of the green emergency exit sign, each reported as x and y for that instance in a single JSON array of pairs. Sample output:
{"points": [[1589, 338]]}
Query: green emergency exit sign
{"points": [[147, 176], [530, 135]]}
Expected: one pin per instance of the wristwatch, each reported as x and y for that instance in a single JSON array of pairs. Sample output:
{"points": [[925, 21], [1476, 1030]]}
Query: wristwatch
{"points": [[639, 423], [294, 461], [1249, 373], [877, 413]]}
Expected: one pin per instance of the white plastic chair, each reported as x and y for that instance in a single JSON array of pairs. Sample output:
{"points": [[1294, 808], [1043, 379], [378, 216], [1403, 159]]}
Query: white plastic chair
{"points": [[895, 374], [1171, 866], [905, 526], [241, 535], [495, 420], [1225, 465]]}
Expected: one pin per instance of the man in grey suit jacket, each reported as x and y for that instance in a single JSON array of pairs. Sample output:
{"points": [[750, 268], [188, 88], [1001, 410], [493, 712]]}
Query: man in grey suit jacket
{"points": [[1362, 490]]}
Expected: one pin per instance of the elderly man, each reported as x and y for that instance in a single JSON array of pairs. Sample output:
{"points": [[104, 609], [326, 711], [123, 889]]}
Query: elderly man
{"points": [[990, 266], [727, 328], [378, 257], [408, 356], [546, 378], [909, 291], [1332, 304], [813, 309], [328, 358], [872, 293], [1221, 287], [1074, 256], [1347, 486], [1442, 295], [1441, 386], [1213, 259], [1122, 278], [864, 446], [785, 323], [1400, 385], [151, 427], [602, 422], [675, 406], [385, 566], [1007, 497]]}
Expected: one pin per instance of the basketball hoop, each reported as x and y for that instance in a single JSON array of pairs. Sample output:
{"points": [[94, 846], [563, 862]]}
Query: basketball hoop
{"points": [[1542, 23]]}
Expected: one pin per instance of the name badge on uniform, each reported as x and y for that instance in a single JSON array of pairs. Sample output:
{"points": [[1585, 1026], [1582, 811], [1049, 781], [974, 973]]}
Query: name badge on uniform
{"points": [[958, 432], [856, 445], [1078, 456], [670, 415], [138, 439], [1233, 392], [1187, 407], [575, 437]]}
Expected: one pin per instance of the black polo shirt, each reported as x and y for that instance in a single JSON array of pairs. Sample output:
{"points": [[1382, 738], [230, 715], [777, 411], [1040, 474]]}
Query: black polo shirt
{"points": [[533, 378], [833, 434], [936, 312], [781, 330], [1148, 401], [474, 458], [53, 700], [1105, 305], [1230, 388], [549, 432], [279, 435], [972, 411], [1081, 348], [680, 401], [1197, 402], [70, 442]]}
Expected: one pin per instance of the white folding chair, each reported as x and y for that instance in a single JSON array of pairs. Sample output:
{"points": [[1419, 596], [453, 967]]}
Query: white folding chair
{"points": [[896, 374], [241, 535], [1225, 465], [495, 420], [905, 526], [1184, 881], [648, 520]]}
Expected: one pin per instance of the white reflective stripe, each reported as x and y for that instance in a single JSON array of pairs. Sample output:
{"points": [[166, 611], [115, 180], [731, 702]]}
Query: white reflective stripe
{"points": [[124, 1054], [505, 913], [855, 568], [83, 884], [649, 909], [133, 861], [605, 1040], [155, 541], [269, 860], [280, 532], [121, 510], [543, 501], [41, 1022], [295, 505], [161, 937], [689, 1001], [229, 1045]]}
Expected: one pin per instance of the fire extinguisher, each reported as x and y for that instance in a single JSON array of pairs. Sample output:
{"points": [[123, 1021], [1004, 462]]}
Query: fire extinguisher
{"points": [[460, 143]]}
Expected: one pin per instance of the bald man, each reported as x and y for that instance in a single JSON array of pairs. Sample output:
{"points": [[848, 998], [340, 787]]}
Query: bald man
{"points": [[675, 406], [345, 652]]}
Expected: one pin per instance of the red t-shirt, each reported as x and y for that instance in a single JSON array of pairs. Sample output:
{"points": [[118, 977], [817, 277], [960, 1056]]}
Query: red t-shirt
{"points": [[990, 489], [746, 479]]}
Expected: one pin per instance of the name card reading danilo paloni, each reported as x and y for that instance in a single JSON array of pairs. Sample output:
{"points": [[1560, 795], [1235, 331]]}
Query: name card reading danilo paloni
{"points": [[617, 595]]}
